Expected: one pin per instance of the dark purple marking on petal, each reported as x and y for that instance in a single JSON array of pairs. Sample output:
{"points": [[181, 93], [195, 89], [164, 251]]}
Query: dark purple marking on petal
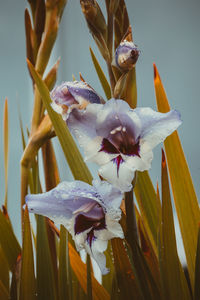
{"points": [[126, 146], [83, 223], [118, 160], [90, 237], [107, 147]]}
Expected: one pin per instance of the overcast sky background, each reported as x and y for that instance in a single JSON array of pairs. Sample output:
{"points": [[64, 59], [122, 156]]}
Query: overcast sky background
{"points": [[167, 33]]}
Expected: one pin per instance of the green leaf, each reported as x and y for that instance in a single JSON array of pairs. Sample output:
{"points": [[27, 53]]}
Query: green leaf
{"points": [[130, 94], [171, 270], [185, 199], [62, 273], [46, 288], [101, 75], [3, 292], [148, 286], [107, 280], [127, 287], [197, 271], [8, 241], [149, 206], [79, 169], [79, 269], [4, 270], [14, 287], [6, 148], [27, 282]]}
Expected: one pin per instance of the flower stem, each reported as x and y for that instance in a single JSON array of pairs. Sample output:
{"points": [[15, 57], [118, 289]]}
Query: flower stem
{"points": [[131, 224], [89, 279]]}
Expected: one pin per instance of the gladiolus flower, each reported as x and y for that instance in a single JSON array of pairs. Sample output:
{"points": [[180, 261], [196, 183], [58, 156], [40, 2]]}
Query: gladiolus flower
{"points": [[90, 214], [126, 55], [121, 139], [70, 95]]}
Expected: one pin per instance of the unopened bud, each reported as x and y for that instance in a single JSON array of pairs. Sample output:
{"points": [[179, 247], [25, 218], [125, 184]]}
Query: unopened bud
{"points": [[126, 55], [70, 95]]}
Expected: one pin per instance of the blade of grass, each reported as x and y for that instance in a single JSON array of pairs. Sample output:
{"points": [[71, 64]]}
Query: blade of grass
{"points": [[102, 78], [27, 280], [185, 199], [6, 149], [72, 154]]}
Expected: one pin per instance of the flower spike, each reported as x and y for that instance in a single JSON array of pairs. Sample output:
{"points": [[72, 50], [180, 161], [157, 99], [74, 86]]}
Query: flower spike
{"points": [[90, 214]]}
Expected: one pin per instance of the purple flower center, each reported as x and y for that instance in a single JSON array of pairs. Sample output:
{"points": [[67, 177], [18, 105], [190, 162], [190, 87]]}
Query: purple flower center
{"points": [[83, 223], [122, 144]]}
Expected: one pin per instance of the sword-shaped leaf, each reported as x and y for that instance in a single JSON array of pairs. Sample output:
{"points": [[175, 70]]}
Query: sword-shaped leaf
{"points": [[27, 280], [173, 279], [8, 241], [102, 78], [46, 287], [6, 148], [185, 199]]}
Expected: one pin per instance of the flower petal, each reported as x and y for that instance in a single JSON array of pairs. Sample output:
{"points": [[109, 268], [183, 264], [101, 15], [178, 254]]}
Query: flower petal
{"points": [[93, 153], [157, 126], [82, 92], [82, 123], [112, 196], [142, 162], [121, 178], [62, 201], [113, 119], [96, 251]]}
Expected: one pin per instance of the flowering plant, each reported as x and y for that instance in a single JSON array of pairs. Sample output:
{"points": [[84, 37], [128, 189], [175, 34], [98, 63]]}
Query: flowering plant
{"points": [[117, 219]]}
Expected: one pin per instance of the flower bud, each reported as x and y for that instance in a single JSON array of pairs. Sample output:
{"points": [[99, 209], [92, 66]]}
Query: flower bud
{"points": [[126, 55], [70, 95]]}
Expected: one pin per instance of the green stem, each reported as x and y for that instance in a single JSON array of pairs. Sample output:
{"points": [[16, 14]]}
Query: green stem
{"points": [[89, 279], [131, 223]]}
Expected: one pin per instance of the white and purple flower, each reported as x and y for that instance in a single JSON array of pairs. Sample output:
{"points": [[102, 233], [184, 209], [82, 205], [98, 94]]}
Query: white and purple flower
{"points": [[126, 55], [121, 139], [70, 95], [90, 213]]}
